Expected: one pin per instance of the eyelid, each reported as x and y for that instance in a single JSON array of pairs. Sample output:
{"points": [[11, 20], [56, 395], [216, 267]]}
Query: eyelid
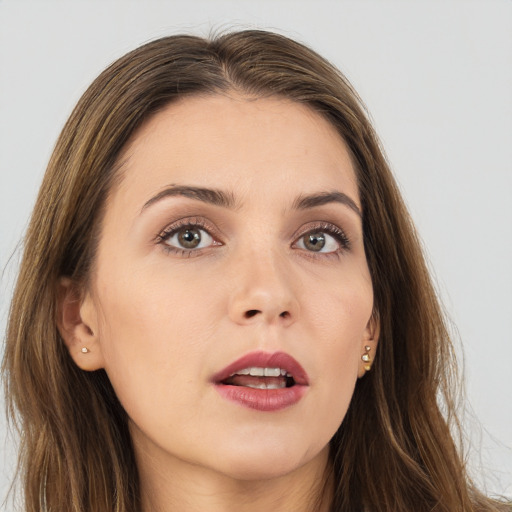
{"points": [[187, 222], [331, 229]]}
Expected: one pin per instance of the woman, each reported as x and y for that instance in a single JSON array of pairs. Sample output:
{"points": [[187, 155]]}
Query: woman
{"points": [[223, 303]]}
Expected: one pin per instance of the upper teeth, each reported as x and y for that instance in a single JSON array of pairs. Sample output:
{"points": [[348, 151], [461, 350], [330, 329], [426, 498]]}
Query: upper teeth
{"points": [[257, 371]]}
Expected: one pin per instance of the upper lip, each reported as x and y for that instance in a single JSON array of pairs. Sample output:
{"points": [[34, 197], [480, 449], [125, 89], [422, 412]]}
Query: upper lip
{"points": [[265, 360]]}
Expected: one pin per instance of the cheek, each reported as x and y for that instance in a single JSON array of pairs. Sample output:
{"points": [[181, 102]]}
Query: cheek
{"points": [[340, 310], [339, 320], [153, 335]]}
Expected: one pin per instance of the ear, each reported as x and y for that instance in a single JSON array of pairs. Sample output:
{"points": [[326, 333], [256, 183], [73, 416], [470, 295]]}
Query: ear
{"points": [[369, 344], [78, 325]]}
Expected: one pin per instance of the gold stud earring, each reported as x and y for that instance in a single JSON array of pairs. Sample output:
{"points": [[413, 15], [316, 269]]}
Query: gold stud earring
{"points": [[85, 350], [366, 358]]}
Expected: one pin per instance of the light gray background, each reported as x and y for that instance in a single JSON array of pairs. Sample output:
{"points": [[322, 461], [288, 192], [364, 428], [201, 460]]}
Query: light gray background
{"points": [[437, 79]]}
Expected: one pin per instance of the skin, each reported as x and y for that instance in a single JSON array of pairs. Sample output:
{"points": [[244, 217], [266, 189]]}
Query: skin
{"points": [[162, 320]]}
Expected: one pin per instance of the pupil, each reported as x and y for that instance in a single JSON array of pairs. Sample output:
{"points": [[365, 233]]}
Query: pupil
{"points": [[190, 238], [314, 241]]}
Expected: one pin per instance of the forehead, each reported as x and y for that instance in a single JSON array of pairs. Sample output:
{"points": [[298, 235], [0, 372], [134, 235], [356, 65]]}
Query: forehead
{"points": [[245, 145]]}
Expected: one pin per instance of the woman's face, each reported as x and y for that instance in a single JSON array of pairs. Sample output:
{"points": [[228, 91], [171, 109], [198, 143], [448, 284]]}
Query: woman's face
{"points": [[231, 298]]}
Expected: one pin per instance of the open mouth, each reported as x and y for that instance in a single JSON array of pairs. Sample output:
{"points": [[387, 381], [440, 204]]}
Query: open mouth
{"points": [[261, 378], [263, 381]]}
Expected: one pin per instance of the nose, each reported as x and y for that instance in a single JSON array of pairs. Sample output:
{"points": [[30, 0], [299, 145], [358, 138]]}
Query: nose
{"points": [[264, 291]]}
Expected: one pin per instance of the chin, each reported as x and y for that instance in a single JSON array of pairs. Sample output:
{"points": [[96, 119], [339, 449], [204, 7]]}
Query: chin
{"points": [[268, 462]]}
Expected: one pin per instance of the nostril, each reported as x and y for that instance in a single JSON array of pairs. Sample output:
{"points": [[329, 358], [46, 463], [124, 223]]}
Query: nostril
{"points": [[250, 313]]}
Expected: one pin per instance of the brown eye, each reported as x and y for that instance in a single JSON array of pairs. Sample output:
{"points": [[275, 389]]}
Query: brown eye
{"points": [[322, 241], [314, 241], [189, 238]]}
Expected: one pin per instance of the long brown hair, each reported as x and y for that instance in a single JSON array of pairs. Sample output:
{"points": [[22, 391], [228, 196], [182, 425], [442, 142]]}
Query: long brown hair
{"points": [[394, 450]]}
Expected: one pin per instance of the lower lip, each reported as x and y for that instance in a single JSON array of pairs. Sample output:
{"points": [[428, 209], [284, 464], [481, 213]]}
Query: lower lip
{"points": [[262, 399]]}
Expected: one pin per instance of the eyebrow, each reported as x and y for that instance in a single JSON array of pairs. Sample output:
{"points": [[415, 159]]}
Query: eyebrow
{"points": [[227, 200], [304, 202], [206, 195]]}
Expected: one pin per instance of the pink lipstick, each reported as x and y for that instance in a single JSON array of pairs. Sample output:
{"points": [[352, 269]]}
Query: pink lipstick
{"points": [[263, 381]]}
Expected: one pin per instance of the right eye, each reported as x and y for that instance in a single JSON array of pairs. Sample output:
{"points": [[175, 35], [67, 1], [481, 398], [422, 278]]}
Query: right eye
{"points": [[188, 238]]}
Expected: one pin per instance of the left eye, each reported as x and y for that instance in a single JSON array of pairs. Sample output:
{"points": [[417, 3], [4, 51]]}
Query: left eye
{"points": [[189, 238], [318, 241]]}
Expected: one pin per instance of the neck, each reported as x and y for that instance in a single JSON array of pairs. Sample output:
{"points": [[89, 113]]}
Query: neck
{"points": [[177, 485]]}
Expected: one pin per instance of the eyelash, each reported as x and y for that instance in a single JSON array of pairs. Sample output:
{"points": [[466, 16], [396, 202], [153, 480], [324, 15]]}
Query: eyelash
{"points": [[331, 229], [198, 223], [189, 223]]}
